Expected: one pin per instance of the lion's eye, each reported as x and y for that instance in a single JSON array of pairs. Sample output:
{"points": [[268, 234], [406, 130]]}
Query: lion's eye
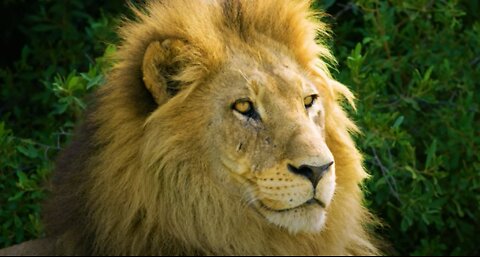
{"points": [[309, 101], [245, 107]]}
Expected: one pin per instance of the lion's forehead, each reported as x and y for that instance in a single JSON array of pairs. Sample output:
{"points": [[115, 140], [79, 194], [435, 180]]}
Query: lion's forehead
{"points": [[271, 70], [278, 81], [287, 74]]}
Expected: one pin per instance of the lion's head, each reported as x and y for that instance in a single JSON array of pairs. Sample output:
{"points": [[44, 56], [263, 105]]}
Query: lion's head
{"points": [[219, 132], [261, 121]]}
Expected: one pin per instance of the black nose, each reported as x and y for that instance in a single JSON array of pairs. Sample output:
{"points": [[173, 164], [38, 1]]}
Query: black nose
{"points": [[313, 173]]}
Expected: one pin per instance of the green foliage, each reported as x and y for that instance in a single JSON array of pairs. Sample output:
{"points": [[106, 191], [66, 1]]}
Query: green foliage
{"points": [[25, 163], [23, 170], [42, 97], [413, 65]]}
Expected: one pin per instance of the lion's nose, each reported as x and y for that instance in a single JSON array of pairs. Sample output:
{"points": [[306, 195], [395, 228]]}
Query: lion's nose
{"points": [[313, 173]]}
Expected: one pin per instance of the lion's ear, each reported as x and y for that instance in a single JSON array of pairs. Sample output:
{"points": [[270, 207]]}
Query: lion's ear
{"points": [[162, 62]]}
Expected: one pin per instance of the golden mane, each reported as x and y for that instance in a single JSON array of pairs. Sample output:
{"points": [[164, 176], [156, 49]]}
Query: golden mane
{"points": [[111, 196]]}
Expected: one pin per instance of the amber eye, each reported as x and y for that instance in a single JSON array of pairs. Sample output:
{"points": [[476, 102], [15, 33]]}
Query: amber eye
{"points": [[309, 100], [242, 106], [245, 107]]}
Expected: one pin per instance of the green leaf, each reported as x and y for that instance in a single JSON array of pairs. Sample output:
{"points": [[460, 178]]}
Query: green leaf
{"points": [[327, 3], [28, 150], [74, 83], [405, 224], [398, 122], [16, 197], [431, 154]]}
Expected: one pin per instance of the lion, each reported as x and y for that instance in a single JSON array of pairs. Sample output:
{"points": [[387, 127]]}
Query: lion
{"points": [[219, 131]]}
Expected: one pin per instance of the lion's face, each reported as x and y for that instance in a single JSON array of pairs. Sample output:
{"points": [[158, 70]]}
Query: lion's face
{"points": [[269, 138], [261, 131]]}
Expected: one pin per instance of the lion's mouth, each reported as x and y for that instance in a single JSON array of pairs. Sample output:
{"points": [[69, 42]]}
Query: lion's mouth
{"points": [[310, 203]]}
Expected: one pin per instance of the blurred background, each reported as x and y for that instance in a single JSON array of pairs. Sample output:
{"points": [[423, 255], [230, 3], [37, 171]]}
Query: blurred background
{"points": [[414, 66]]}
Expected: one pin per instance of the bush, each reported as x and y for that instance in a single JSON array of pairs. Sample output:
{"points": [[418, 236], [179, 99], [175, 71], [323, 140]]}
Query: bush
{"points": [[414, 66], [42, 97]]}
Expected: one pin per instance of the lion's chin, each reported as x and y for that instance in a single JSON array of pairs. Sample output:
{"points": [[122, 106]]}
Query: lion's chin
{"points": [[304, 219]]}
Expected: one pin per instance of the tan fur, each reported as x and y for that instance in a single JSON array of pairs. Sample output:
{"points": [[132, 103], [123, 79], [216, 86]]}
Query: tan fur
{"points": [[163, 165]]}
